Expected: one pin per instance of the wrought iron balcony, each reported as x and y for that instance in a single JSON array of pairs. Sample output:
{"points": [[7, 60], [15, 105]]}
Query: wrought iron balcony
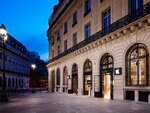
{"points": [[139, 13]]}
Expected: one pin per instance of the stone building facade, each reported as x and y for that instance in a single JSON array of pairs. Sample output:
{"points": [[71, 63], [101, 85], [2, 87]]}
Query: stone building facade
{"points": [[100, 48], [17, 65]]}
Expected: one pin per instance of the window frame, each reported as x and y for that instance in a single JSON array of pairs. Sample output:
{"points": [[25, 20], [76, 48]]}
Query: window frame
{"points": [[74, 19], [136, 47], [87, 30]]}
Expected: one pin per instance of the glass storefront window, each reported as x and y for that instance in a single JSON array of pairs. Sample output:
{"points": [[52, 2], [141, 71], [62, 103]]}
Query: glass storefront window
{"points": [[137, 65]]}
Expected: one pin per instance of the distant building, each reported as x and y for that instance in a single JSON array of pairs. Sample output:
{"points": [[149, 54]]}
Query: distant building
{"points": [[34, 56], [17, 66], [40, 74], [100, 48]]}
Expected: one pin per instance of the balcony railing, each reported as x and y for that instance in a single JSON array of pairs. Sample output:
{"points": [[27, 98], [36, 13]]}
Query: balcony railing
{"points": [[139, 13]]}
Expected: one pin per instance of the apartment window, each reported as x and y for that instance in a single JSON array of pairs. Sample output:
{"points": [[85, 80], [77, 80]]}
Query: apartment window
{"points": [[13, 82], [106, 20], [65, 45], [0, 55], [52, 40], [74, 39], [133, 5], [87, 7], [22, 83], [65, 27], [74, 19], [58, 50], [53, 53], [19, 82], [9, 82], [137, 63], [16, 82], [58, 34], [87, 30], [0, 81]]}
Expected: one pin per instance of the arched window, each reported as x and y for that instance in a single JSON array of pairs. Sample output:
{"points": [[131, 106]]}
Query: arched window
{"points": [[65, 74], [106, 63], [87, 66], [137, 65], [87, 79], [58, 77], [74, 69]]}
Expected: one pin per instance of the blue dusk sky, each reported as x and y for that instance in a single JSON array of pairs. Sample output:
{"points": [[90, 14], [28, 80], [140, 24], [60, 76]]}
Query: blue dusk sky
{"points": [[27, 21]]}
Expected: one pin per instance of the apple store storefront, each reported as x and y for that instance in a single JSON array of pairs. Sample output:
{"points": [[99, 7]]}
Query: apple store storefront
{"points": [[129, 82]]}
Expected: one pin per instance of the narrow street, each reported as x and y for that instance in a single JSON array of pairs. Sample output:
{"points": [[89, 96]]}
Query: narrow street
{"points": [[65, 103]]}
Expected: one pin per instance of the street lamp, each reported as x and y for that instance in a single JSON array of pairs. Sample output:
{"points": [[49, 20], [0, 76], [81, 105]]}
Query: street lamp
{"points": [[3, 33], [33, 66]]}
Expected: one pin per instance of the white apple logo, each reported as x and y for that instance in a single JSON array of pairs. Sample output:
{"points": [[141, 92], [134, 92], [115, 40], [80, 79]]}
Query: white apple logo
{"points": [[117, 71]]}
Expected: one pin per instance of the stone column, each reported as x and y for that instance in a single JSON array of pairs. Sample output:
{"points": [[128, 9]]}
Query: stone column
{"points": [[49, 79], [80, 80], [69, 79], [136, 95], [95, 71], [61, 80]]}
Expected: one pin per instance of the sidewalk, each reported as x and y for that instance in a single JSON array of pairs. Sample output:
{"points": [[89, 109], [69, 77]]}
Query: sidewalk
{"points": [[69, 103]]}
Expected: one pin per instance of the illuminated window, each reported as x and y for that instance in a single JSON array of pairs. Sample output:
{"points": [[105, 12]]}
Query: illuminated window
{"points": [[87, 80], [137, 65]]}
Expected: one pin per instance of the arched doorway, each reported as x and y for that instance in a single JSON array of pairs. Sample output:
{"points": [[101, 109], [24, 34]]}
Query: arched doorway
{"points": [[74, 78], [53, 81], [65, 80], [87, 77], [58, 80], [106, 76]]}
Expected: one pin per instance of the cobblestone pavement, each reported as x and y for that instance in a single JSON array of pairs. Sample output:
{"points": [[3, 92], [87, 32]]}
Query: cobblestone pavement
{"points": [[69, 103]]}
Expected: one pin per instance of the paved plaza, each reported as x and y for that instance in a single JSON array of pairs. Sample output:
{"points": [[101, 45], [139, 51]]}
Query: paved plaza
{"points": [[69, 103]]}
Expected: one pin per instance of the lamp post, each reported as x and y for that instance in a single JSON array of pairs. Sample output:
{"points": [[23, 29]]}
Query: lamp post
{"points": [[3, 33], [33, 66]]}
